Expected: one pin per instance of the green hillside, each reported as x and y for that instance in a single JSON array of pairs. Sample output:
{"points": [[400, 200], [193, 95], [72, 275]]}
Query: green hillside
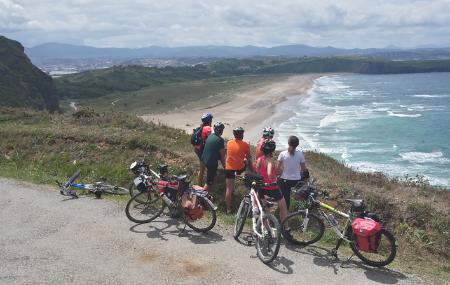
{"points": [[97, 83], [21, 83]]}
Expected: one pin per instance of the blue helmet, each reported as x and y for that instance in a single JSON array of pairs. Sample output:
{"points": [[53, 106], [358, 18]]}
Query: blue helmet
{"points": [[207, 118]]}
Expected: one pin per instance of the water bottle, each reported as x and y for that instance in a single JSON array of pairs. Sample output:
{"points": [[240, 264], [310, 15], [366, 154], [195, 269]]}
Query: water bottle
{"points": [[167, 200], [332, 220]]}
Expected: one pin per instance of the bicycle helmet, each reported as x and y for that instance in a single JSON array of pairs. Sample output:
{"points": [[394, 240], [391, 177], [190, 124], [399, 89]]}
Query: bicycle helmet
{"points": [[268, 132], [218, 127], [268, 146], [163, 169], [238, 133], [207, 118]]}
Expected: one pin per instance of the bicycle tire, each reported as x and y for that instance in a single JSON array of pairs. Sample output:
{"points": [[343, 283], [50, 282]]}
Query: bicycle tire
{"points": [[208, 211], [112, 189], [259, 243], [138, 212], [392, 246], [241, 216], [292, 228]]}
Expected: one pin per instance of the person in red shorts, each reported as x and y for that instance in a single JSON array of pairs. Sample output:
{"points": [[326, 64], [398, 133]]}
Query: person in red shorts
{"points": [[205, 131], [238, 156]]}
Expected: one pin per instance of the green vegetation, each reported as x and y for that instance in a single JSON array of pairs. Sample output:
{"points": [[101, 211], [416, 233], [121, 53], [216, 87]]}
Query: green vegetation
{"points": [[41, 147], [97, 83], [166, 97], [21, 83]]}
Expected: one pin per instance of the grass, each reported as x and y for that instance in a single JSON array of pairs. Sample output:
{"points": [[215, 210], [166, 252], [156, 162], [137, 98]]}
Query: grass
{"points": [[41, 147], [168, 96]]}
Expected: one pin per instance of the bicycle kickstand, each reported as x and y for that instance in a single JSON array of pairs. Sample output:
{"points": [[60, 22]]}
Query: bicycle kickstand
{"points": [[184, 228]]}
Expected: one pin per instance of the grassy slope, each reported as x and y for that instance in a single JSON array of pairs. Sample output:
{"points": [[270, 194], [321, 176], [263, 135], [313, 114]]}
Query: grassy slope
{"points": [[165, 97], [39, 147]]}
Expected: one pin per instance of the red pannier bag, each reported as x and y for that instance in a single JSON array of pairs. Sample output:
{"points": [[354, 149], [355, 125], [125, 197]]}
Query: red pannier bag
{"points": [[366, 233]]}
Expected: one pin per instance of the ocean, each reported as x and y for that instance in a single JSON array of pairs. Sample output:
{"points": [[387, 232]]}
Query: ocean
{"points": [[396, 124]]}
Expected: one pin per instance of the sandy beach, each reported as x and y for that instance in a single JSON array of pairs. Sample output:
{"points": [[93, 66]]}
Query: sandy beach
{"points": [[252, 110]]}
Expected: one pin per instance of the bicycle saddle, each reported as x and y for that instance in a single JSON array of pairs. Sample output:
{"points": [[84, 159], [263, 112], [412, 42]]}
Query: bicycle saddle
{"points": [[355, 202]]}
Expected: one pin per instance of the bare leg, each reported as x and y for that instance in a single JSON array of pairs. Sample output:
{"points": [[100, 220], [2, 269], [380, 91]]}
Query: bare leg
{"points": [[201, 173], [229, 193], [283, 209]]}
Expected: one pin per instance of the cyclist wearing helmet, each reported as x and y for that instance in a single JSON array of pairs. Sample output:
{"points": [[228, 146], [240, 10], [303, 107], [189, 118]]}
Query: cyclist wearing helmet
{"points": [[265, 166], [238, 156], [268, 133], [213, 151], [293, 166], [204, 131]]}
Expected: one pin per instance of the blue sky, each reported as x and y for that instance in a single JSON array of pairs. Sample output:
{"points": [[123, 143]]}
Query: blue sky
{"points": [[351, 23]]}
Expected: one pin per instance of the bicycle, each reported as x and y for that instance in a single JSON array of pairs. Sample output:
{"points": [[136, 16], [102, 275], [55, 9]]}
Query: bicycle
{"points": [[266, 229], [98, 188], [306, 226], [157, 194]]}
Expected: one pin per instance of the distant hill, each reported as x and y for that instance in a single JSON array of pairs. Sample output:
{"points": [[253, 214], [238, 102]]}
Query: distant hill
{"points": [[101, 82], [21, 83], [48, 51]]}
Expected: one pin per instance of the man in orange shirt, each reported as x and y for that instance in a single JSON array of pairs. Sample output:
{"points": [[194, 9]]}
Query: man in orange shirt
{"points": [[238, 156]]}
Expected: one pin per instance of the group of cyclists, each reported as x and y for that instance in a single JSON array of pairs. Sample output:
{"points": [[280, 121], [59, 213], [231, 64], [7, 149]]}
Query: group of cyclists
{"points": [[282, 174]]}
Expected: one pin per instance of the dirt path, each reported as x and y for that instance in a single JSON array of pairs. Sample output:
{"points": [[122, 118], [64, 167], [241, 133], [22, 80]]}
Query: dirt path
{"points": [[46, 240]]}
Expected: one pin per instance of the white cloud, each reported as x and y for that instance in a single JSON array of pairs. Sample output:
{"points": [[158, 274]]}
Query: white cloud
{"points": [[350, 23]]}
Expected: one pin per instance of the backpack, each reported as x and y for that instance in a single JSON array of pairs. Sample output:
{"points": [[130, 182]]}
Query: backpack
{"points": [[196, 137], [367, 234]]}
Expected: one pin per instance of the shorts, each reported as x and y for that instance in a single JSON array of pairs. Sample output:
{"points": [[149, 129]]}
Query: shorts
{"points": [[211, 172], [232, 173], [275, 194]]}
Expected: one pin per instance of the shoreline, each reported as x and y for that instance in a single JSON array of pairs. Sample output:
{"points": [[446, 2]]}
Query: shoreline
{"points": [[252, 110]]}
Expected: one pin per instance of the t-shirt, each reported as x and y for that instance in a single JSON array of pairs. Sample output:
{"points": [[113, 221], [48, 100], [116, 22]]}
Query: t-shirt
{"points": [[259, 152], [291, 164], [206, 131], [211, 151], [237, 151]]}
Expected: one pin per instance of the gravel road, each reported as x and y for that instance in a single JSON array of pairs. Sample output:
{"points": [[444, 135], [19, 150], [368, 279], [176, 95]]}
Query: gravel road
{"points": [[45, 239]]}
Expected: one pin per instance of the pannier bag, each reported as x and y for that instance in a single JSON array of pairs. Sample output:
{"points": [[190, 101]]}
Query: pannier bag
{"points": [[192, 208], [367, 234]]}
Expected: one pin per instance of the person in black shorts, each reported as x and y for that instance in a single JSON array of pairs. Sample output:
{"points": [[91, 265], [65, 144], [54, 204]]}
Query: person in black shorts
{"points": [[213, 152]]}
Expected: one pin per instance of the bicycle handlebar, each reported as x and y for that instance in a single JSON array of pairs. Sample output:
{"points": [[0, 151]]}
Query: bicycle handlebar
{"points": [[73, 178]]}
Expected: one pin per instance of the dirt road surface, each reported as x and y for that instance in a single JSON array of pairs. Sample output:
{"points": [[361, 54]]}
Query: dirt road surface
{"points": [[46, 239]]}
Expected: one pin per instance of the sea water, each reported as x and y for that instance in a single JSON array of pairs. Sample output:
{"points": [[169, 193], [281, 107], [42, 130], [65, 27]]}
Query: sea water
{"points": [[396, 124]]}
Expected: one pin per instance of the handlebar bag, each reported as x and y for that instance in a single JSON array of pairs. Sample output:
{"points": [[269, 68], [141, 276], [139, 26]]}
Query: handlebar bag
{"points": [[367, 234]]}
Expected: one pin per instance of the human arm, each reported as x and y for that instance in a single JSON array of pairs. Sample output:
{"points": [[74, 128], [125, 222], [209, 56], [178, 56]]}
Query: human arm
{"points": [[222, 157]]}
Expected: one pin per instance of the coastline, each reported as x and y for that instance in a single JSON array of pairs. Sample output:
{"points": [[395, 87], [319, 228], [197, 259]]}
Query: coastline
{"points": [[252, 110]]}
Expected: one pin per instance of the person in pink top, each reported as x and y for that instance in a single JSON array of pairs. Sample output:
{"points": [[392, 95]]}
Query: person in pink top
{"points": [[266, 168]]}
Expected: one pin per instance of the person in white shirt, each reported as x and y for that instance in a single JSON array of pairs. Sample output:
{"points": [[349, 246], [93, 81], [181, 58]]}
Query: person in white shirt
{"points": [[293, 166]]}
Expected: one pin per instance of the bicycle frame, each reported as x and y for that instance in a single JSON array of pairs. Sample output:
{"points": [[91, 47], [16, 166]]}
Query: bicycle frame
{"points": [[255, 200]]}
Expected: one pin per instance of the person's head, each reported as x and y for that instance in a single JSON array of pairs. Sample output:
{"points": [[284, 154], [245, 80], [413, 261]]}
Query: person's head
{"points": [[207, 119], [218, 128], [238, 133], [268, 133], [293, 144], [268, 147]]}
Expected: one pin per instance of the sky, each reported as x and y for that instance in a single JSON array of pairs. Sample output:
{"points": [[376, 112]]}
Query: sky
{"points": [[119, 23]]}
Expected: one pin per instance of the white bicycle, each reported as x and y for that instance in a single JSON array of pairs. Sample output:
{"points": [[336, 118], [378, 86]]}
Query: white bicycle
{"points": [[266, 229]]}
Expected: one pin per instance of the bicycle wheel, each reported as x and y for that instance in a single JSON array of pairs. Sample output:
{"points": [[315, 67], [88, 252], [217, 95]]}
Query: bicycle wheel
{"points": [[267, 247], [384, 254], [241, 215], [112, 189], [144, 212], [293, 228], [206, 222]]}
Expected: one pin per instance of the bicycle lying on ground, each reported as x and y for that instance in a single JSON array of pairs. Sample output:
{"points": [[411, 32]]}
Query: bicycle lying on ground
{"points": [[306, 226], [192, 204], [98, 188], [266, 229]]}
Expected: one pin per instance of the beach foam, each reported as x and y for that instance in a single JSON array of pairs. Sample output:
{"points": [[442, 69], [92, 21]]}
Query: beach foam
{"points": [[425, 157], [392, 114]]}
